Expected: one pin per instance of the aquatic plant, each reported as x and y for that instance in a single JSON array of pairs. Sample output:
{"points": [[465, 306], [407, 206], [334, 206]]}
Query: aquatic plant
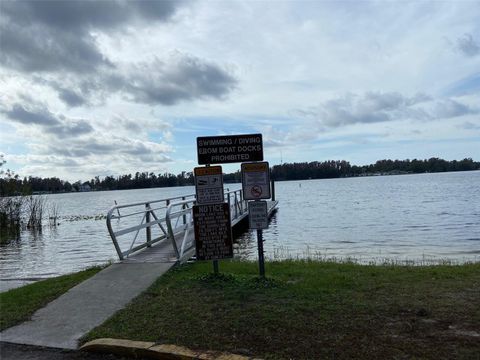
{"points": [[35, 207], [53, 214], [11, 214]]}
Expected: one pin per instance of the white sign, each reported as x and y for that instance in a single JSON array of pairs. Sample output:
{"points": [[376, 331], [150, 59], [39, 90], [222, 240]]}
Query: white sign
{"points": [[209, 185], [257, 215], [256, 180]]}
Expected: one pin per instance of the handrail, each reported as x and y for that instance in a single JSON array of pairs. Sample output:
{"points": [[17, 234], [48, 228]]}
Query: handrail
{"points": [[174, 211], [152, 202], [169, 217], [147, 211]]}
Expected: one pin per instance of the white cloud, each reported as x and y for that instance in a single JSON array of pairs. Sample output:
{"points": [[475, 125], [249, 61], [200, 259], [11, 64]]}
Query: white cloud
{"points": [[54, 42], [132, 89], [375, 107]]}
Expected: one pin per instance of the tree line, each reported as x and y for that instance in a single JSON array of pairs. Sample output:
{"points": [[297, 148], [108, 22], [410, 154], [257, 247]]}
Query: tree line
{"points": [[12, 184], [336, 169]]}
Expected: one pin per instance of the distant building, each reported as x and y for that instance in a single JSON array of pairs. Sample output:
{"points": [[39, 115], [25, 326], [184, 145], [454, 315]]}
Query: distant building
{"points": [[85, 187]]}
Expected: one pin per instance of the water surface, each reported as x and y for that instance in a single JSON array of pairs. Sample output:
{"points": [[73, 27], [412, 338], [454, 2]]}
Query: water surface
{"points": [[409, 217], [417, 217]]}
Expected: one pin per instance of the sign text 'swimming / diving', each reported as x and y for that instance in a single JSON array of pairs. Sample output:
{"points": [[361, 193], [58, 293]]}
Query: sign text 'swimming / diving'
{"points": [[228, 149]]}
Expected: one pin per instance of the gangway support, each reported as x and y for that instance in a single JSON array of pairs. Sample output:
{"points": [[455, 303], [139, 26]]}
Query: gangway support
{"points": [[168, 224]]}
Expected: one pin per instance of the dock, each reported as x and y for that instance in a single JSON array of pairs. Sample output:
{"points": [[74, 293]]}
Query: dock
{"points": [[163, 230]]}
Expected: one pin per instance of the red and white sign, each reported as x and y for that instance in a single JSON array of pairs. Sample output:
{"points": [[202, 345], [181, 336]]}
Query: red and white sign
{"points": [[256, 180]]}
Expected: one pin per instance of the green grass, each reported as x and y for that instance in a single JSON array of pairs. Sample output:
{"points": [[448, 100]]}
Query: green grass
{"points": [[310, 310], [18, 305]]}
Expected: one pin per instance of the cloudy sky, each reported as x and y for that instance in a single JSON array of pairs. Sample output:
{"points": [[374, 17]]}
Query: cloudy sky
{"points": [[113, 87]]}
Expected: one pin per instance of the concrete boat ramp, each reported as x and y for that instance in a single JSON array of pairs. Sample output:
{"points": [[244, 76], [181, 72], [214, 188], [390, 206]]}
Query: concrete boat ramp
{"points": [[65, 320]]}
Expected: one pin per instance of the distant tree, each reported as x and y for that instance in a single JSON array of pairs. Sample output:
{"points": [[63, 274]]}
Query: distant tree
{"points": [[10, 183], [67, 186]]}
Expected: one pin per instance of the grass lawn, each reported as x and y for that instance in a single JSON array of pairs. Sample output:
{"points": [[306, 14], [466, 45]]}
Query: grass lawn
{"points": [[310, 310], [19, 304]]}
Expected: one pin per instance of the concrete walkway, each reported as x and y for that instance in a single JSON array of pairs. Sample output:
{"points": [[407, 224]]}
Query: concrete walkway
{"points": [[65, 320]]}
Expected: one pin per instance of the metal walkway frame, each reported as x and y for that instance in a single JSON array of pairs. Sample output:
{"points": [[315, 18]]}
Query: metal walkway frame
{"points": [[171, 217]]}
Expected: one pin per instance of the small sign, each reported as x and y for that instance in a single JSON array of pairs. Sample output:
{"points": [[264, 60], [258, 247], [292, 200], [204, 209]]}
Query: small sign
{"points": [[209, 184], [256, 180], [229, 149], [213, 231], [257, 215]]}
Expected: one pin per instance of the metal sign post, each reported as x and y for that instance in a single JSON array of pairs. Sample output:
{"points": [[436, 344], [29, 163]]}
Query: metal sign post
{"points": [[261, 259], [258, 219], [256, 186], [211, 216]]}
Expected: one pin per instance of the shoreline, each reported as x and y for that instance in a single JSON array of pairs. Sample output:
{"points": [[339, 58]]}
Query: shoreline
{"points": [[9, 283], [15, 283]]}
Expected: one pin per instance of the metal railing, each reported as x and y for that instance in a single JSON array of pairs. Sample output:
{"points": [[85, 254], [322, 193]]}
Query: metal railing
{"points": [[171, 218]]}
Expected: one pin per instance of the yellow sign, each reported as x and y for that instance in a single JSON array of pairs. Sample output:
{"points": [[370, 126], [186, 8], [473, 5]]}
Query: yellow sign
{"points": [[209, 184], [210, 170], [263, 166]]}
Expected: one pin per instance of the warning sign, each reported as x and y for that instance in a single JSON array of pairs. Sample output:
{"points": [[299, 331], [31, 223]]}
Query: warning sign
{"points": [[257, 215], [229, 149], [209, 184], [213, 231], [256, 180]]}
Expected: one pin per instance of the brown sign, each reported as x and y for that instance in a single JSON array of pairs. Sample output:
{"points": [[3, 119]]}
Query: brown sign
{"points": [[213, 231], [229, 149]]}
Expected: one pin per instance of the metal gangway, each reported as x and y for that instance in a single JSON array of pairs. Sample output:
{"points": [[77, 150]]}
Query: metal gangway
{"points": [[162, 230]]}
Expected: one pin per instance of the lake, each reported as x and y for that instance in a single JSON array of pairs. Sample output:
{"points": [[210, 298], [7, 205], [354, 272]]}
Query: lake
{"points": [[422, 218]]}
